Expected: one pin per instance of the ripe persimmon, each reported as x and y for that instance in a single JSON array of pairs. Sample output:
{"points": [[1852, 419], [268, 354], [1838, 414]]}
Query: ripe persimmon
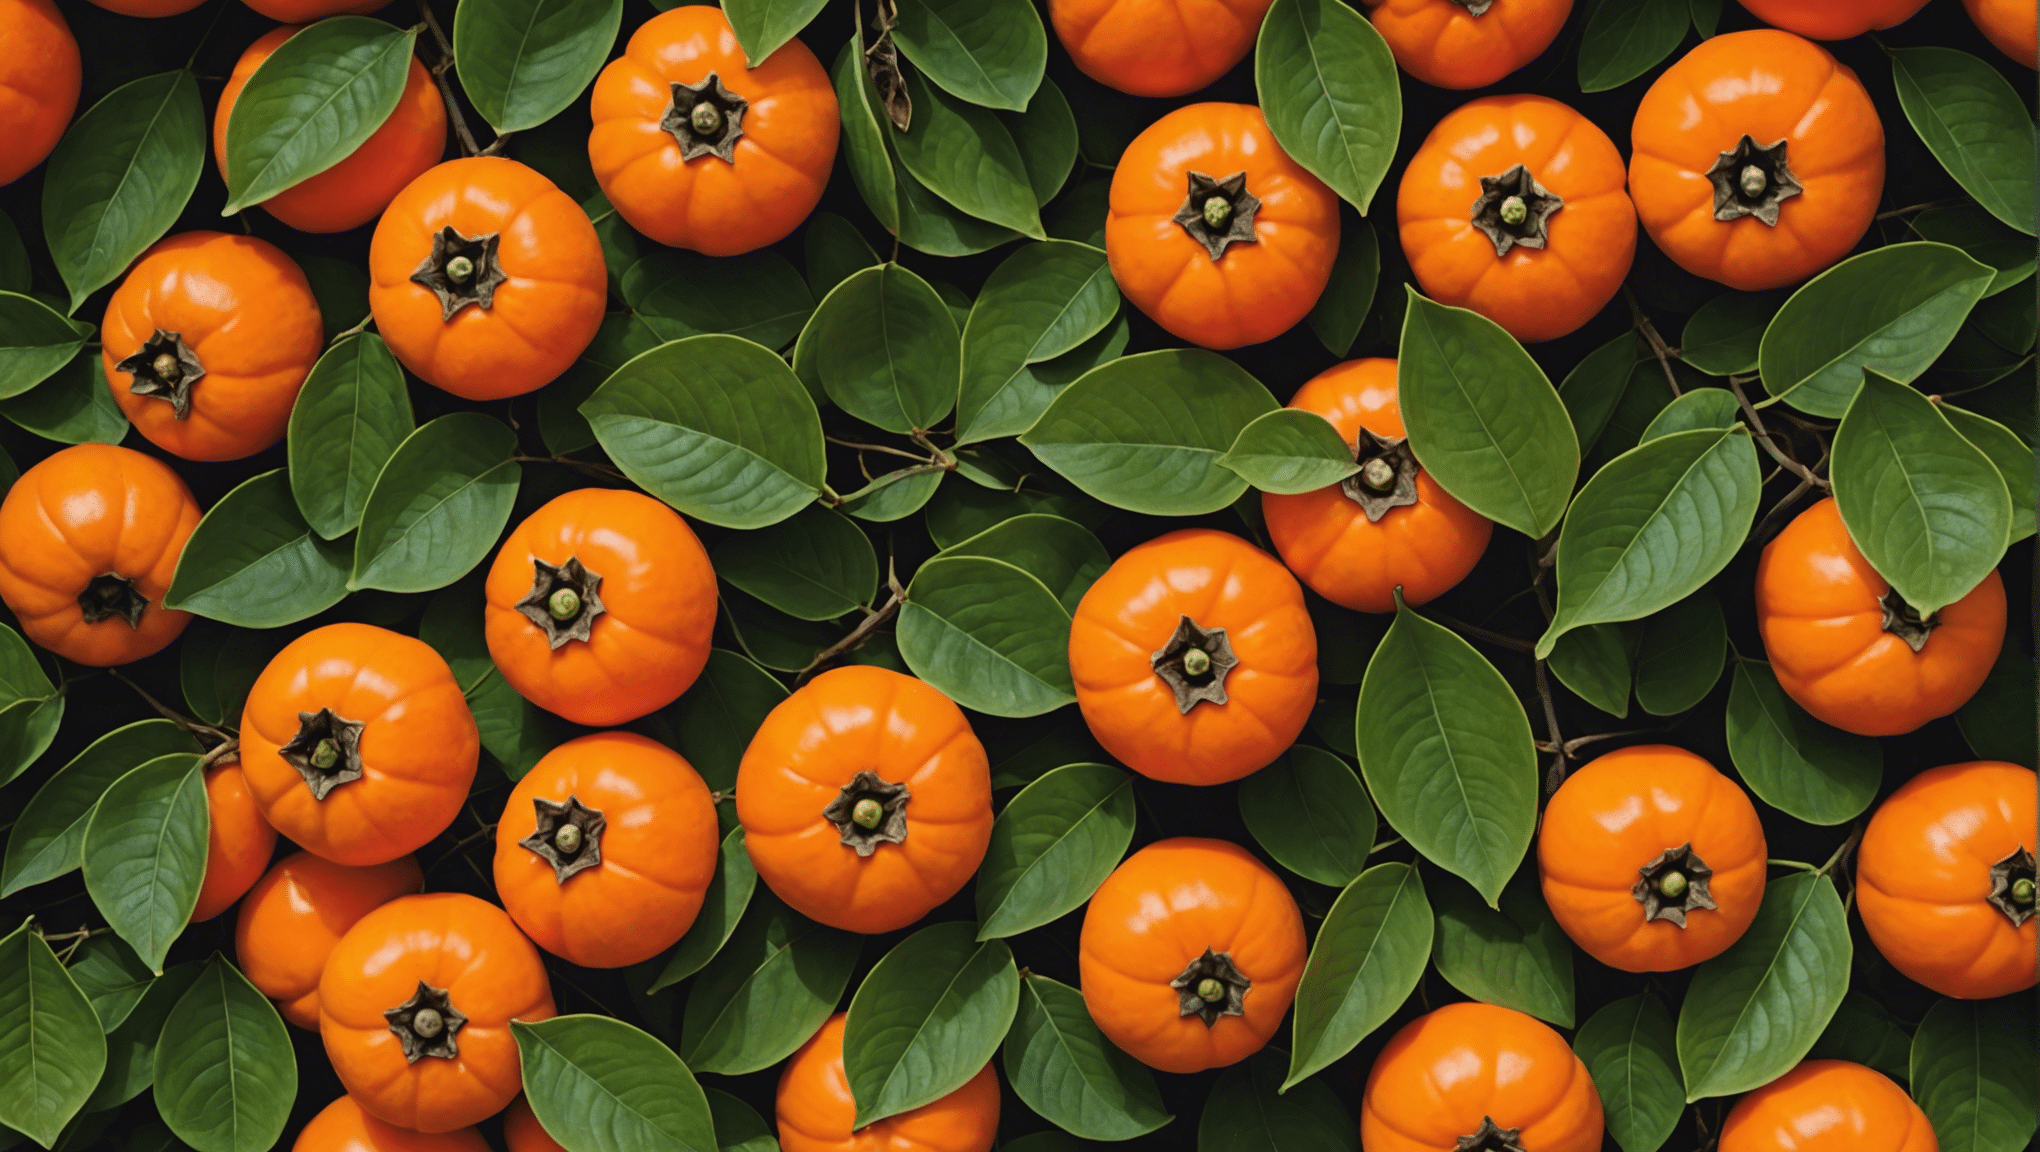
{"points": [[522, 1131], [343, 1126], [1827, 20], [41, 74], [1467, 43], [1828, 1106], [240, 844], [816, 1113], [294, 915], [1474, 1075], [1156, 47], [2012, 25]]}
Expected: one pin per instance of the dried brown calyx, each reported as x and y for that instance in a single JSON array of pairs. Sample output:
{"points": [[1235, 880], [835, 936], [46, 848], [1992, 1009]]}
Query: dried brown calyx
{"points": [[107, 596], [326, 750], [426, 1024], [164, 367], [1673, 884], [461, 270], [1194, 663], [1905, 622], [869, 811], [564, 600], [1752, 179], [1387, 478], [705, 119], [1212, 986], [568, 836], [1219, 213], [2012, 886], [1491, 1137], [1515, 210]]}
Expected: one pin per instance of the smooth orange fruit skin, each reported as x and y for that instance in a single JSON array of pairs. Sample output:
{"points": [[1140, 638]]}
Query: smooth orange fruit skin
{"points": [[1924, 870], [1828, 20], [1325, 537], [523, 1132], [1219, 581], [1535, 293], [1157, 47], [298, 911], [1828, 1106], [1818, 612], [350, 193], [1254, 292], [418, 751], [85, 511], [659, 850], [658, 596], [246, 311], [714, 206], [148, 9], [1448, 1069], [543, 316], [306, 11], [1771, 86], [40, 76], [815, 1110], [239, 846], [343, 1126], [840, 723], [1443, 44], [2011, 25], [1155, 915], [472, 950], [1616, 814]]}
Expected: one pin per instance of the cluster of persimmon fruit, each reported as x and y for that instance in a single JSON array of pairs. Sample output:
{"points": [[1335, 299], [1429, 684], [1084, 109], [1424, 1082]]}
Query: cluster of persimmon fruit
{"points": [[865, 797]]}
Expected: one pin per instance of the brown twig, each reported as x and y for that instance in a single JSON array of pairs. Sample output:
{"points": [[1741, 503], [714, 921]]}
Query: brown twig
{"points": [[460, 127], [1765, 440], [865, 627], [1479, 633], [1554, 774], [172, 714], [1658, 347], [1842, 853], [887, 449]]}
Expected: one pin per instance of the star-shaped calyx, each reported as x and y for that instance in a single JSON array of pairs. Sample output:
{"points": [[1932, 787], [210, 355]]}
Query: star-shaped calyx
{"points": [[1752, 179], [1194, 663], [1219, 213], [107, 596], [1387, 478], [869, 811], [326, 750], [461, 270], [568, 836], [1514, 210], [2011, 886], [1491, 1137], [426, 1024], [705, 119], [164, 367], [564, 600], [1673, 884], [1905, 622], [1212, 986]]}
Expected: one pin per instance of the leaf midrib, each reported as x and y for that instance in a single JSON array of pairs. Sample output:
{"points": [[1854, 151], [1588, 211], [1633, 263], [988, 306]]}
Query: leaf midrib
{"points": [[1459, 386], [1784, 939], [1656, 513], [539, 1038], [391, 39], [921, 1028], [1068, 833]]}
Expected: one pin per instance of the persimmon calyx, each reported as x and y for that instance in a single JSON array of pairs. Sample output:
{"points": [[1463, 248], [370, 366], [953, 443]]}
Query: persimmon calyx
{"points": [[1752, 179], [1475, 7], [1212, 986], [1674, 884], [869, 811], [2012, 886], [1905, 622], [1219, 213], [427, 1024], [461, 270], [564, 600], [326, 750], [1513, 210], [705, 119], [108, 595], [1194, 663], [164, 367], [1491, 1137], [1387, 479], [567, 836]]}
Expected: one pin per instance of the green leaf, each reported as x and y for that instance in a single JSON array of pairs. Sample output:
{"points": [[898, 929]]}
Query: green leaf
{"points": [[226, 1075], [1975, 124], [351, 415], [927, 1018], [1892, 309], [1793, 762], [438, 506], [1052, 846], [833, 249], [770, 988], [514, 732], [773, 639], [1515, 956], [1046, 135], [614, 1087], [1968, 226], [1653, 526], [1706, 21], [622, 336], [1701, 408], [48, 838], [51, 1048], [894, 496], [1309, 811], [1998, 723], [883, 346], [1060, 553], [522, 62], [716, 426], [815, 566], [1973, 1070], [1594, 662], [988, 52], [120, 178], [758, 296], [1483, 418], [1044, 301], [1752, 1012], [2009, 454], [963, 154], [1248, 1110], [74, 406], [1626, 38], [1145, 432], [1343, 306], [1679, 658], [729, 894], [1370, 953], [1290, 451], [30, 706], [311, 103], [1595, 388], [131, 1048], [1333, 99], [864, 143], [15, 275], [1629, 1050], [930, 224], [1062, 1067], [254, 562], [36, 341], [1864, 1032], [1723, 337], [991, 636], [340, 288], [1928, 508], [144, 853], [218, 665], [713, 723], [763, 26], [112, 978], [737, 1127], [1447, 753]]}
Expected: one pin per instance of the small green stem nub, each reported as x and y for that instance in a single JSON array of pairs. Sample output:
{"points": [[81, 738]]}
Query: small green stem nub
{"points": [[1196, 661], [564, 605], [1753, 181], [165, 366], [1514, 211], [867, 814], [1217, 212], [427, 1022], [1211, 990], [460, 269], [325, 754], [1378, 474], [2022, 893], [1672, 885], [568, 839], [705, 119]]}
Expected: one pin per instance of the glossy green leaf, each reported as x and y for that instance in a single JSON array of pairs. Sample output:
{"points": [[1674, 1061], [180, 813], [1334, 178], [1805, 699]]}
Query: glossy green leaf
{"points": [[965, 155], [1752, 1012], [988, 52], [1701, 408], [2009, 454], [1999, 722], [438, 506], [930, 224], [1626, 38], [1309, 811], [1793, 762], [612, 1086], [1329, 87], [738, 1128], [1052, 846], [884, 348], [771, 987], [991, 636], [927, 1018], [893, 496], [514, 732], [254, 562], [1042, 302], [311, 103], [73, 406], [1679, 657], [351, 415], [112, 978], [120, 178], [1369, 954], [815, 566], [622, 337], [131, 1048], [1628, 1048], [35, 342], [1706, 21], [758, 296], [1062, 1067], [713, 723], [833, 249], [30, 706], [1060, 553], [1247, 1110], [1975, 123], [1289, 451], [1046, 135], [729, 894], [1593, 390], [217, 665], [1723, 337], [1594, 663], [226, 1074], [1483, 419], [1973, 1071], [1865, 1032], [51, 1049], [1447, 753], [762, 26], [1515, 956], [144, 854], [1970, 227], [865, 151], [1343, 306], [524, 61]]}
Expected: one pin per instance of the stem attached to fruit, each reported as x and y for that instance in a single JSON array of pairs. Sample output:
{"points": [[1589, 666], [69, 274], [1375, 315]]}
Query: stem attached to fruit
{"points": [[564, 604]]}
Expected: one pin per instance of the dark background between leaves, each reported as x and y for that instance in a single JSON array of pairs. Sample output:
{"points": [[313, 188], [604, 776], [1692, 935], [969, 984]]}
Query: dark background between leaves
{"points": [[118, 49]]}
